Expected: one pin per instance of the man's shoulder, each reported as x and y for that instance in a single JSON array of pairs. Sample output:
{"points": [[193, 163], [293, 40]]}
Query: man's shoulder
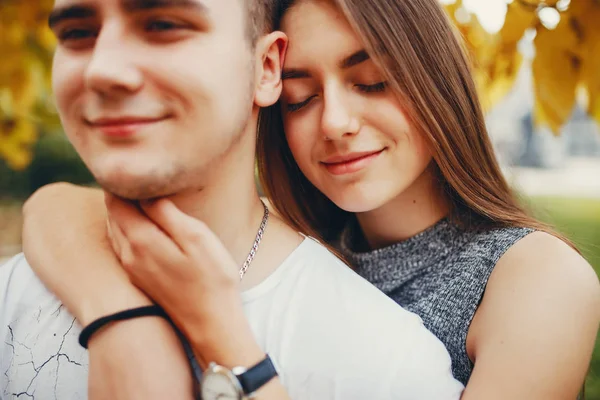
{"points": [[319, 268], [40, 354], [327, 322], [321, 287]]}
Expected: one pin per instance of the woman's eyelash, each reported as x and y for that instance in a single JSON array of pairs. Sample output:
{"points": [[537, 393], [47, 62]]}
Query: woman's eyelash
{"points": [[297, 106], [377, 87], [374, 88]]}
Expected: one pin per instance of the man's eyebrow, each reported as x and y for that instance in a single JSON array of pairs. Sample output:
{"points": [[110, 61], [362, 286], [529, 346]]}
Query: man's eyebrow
{"points": [[70, 12], [354, 59], [142, 5]]}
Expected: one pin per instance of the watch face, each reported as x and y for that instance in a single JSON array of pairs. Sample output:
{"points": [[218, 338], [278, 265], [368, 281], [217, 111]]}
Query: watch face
{"points": [[218, 385]]}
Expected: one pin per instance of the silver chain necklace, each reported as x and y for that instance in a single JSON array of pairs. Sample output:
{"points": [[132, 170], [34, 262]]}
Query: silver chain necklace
{"points": [[259, 236]]}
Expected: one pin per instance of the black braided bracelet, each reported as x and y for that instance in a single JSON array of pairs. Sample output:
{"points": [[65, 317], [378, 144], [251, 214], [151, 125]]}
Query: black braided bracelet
{"points": [[146, 311]]}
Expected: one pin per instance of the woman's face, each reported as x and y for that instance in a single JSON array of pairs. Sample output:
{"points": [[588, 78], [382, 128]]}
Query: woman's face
{"points": [[344, 126]]}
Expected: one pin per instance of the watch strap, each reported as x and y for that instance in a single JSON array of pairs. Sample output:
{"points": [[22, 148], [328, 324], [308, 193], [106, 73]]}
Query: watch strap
{"points": [[256, 377]]}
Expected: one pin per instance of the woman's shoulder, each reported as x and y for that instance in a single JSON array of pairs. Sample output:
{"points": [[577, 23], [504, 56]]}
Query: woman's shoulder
{"points": [[540, 268], [493, 243], [546, 264]]}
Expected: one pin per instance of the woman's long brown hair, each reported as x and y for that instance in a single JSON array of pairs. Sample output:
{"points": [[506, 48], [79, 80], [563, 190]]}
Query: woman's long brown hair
{"points": [[425, 63]]}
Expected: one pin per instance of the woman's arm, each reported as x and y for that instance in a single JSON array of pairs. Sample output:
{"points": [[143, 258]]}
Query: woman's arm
{"points": [[65, 242], [64, 238], [92, 282], [534, 332]]}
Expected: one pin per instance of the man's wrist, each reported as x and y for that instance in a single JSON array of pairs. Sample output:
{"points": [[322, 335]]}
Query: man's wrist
{"points": [[226, 340]]}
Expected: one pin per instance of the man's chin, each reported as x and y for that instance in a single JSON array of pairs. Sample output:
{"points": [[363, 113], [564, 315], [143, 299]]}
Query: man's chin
{"points": [[137, 188]]}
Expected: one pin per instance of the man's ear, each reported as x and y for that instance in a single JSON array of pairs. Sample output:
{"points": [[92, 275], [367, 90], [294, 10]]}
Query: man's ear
{"points": [[270, 51]]}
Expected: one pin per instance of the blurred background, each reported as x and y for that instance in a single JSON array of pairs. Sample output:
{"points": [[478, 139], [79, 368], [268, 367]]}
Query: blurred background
{"points": [[537, 64]]}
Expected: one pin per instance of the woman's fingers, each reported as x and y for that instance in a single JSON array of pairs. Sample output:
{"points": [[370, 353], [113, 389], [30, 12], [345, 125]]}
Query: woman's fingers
{"points": [[199, 245], [143, 246], [188, 233], [115, 236]]}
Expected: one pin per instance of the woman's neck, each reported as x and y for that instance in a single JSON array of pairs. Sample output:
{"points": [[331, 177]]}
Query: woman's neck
{"points": [[417, 208]]}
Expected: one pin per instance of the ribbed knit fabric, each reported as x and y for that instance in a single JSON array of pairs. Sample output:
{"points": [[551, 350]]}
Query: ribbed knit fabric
{"points": [[439, 274]]}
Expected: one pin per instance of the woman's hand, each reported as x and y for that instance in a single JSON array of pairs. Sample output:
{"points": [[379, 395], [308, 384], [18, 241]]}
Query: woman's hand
{"points": [[181, 264], [185, 268]]}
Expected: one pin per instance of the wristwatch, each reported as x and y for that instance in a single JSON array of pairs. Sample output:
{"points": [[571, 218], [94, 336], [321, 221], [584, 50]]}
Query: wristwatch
{"points": [[238, 383]]}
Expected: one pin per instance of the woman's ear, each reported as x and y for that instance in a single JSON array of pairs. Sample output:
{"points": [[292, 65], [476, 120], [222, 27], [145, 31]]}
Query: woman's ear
{"points": [[270, 51]]}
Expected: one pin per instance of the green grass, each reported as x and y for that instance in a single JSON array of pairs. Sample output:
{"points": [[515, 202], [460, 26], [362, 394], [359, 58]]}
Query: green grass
{"points": [[579, 220]]}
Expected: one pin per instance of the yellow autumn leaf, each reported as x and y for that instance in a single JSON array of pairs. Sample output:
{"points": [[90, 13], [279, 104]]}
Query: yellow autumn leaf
{"points": [[587, 14], [46, 37], [502, 76], [12, 59], [451, 9], [24, 91], [591, 75], [519, 18], [502, 63], [556, 72], [533, 4], [17, 137], [26, 45], [19, 158]]}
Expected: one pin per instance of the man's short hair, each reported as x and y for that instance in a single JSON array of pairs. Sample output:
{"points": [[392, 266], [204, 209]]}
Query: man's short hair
{"points": [[261, 14]]}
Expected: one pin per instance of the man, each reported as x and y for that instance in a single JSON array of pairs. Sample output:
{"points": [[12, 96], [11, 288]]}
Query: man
{"points": [[161, 100]]}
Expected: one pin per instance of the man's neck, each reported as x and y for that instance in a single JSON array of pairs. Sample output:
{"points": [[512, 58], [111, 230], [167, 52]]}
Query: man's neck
{"points": [[228, 203], [230, 206]]}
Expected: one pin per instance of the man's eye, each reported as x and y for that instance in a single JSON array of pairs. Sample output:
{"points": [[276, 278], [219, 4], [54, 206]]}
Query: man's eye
{"points": [[76, 34], [162, 25]]}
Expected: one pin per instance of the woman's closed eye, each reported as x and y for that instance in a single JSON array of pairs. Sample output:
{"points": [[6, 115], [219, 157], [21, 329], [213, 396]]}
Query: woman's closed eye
{"points": [[374, 88], [291, 107]]}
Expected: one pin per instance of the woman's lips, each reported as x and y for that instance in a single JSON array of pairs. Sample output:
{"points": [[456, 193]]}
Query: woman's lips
{"points": [[351, 162]]}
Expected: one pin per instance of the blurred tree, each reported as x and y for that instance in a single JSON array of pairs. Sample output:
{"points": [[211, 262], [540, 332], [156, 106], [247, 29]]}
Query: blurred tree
{"points": [[26, 45], [567, 63]]}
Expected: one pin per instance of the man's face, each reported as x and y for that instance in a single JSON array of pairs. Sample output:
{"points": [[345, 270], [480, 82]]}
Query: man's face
{"points": [[152, 92]]}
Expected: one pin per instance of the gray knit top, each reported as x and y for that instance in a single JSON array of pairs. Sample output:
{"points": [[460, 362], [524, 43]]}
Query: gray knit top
{"points": [[439, 274]]}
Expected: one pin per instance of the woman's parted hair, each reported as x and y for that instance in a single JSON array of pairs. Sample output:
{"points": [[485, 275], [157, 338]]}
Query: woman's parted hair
{"points": [[425, 63]]}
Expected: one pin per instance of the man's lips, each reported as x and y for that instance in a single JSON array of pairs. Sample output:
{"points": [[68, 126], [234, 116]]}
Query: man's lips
{"points": [[123, 127], [122, 121]]}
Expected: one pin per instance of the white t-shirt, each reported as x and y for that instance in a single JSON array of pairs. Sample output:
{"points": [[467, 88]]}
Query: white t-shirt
{"points": [[330, 333]]}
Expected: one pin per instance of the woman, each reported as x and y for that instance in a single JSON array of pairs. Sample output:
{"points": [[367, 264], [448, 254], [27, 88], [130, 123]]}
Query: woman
{"points": [[386, 158], [410, 192]]}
